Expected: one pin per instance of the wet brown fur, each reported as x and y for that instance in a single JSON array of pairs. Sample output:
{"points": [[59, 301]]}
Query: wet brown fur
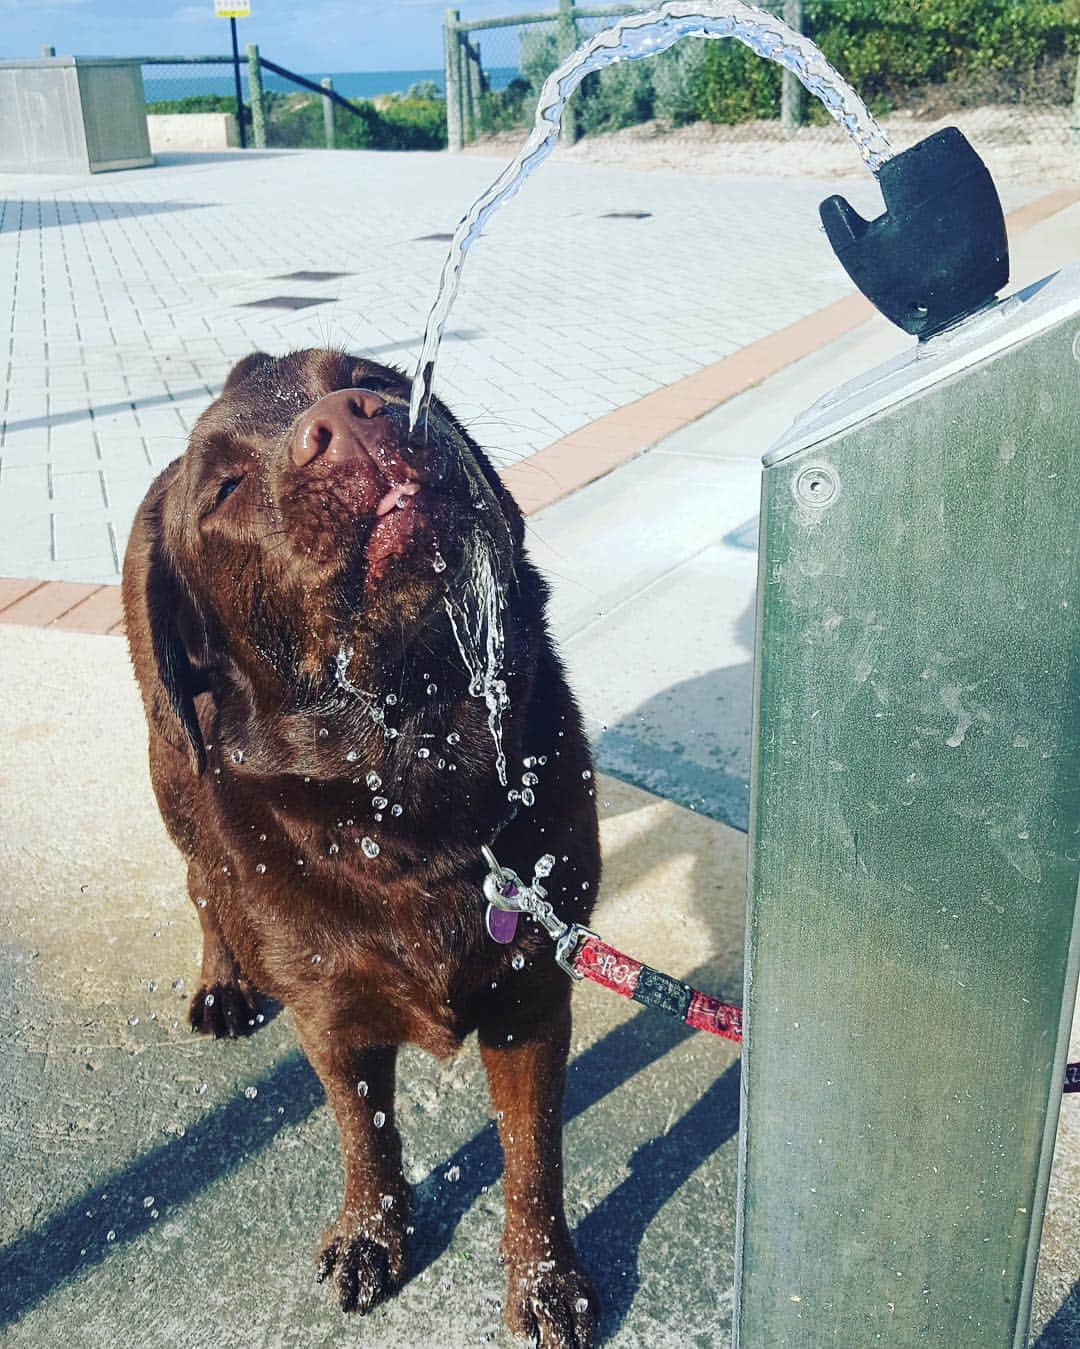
{"points": [[237, 606]]}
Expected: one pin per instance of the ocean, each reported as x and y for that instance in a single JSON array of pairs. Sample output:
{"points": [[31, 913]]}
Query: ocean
{"points": [[184, 82]]}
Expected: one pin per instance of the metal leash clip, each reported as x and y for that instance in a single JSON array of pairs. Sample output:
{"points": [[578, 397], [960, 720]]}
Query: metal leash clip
{"points": [[504, 889]]}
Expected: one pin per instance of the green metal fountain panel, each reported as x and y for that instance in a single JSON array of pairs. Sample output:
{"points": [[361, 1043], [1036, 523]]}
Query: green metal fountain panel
{"points": [[915, 848]]}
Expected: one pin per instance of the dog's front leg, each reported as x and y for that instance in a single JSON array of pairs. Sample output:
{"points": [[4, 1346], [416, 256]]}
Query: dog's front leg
{"points": [[549, 1297], [363, 1252]]}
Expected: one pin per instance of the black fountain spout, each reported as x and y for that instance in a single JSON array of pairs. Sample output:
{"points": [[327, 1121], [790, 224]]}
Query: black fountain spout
{"points": [[939, 252]]}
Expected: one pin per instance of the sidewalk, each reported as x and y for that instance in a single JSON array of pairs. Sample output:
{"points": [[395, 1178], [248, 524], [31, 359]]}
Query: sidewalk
{"points": [[131, 296], [154, 1200]]}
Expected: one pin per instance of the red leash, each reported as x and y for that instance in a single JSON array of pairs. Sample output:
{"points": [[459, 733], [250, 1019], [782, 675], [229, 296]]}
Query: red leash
{"points": [[583, 955]]}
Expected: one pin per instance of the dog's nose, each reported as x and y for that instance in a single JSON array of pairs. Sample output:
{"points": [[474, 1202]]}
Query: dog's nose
{"points": [[341, 426]]}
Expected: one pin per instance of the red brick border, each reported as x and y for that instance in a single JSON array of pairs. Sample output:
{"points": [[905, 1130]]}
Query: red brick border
{"points": [[70, 605], [569, 463]]}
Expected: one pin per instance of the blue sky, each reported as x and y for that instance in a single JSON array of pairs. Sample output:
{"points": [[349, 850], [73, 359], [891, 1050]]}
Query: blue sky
{"points": [[303, 34]]}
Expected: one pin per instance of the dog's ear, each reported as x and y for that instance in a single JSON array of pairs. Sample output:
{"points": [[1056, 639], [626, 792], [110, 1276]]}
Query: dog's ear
{"points": [[164, 629], [245, 368]]}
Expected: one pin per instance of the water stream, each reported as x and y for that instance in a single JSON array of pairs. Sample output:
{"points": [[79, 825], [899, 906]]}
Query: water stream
{"points": [[631, 39], [476, 614]]}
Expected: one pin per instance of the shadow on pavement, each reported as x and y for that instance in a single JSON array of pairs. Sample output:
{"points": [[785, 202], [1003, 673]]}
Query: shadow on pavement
{"points": [[48, 213], [1062, 1331], [690, 743], [70, 1242]]}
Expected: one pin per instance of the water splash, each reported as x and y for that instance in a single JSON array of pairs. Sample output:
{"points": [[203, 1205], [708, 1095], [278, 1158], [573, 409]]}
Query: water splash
{"points": [[475, 612], [631, 39]]}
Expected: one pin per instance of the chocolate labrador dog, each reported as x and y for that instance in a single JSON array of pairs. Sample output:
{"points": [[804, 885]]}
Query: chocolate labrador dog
{"points": [[350, 688]]}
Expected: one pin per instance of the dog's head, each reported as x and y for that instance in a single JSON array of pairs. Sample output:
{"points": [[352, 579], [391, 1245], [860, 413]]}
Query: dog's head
{"points": [[297, 561]]}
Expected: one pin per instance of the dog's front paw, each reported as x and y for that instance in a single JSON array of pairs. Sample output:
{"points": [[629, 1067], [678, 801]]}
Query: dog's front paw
{"points": [[363, 1269], [553, 1304], [224, 1010]]}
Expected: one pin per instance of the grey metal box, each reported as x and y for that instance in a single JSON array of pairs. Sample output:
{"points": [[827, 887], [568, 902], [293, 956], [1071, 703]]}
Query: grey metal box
{"points": [[913, 934], [72, 114]]}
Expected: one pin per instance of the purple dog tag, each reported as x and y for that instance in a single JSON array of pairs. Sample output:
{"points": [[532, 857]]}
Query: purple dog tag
{"points": [[501, 924]]}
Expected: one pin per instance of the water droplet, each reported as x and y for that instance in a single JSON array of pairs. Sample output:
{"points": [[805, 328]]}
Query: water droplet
{"points": [[453, 738], [391, 700], [438, 562], [528, 796], [133, 1020], [200, 1089], [542, 760], [334, 849], [352, 756], [251, 1092], [151, 986], [528, 761], [373, 781], [110, 1235], [395, 810], [432, 688], [379, 802], [581, 1305], [178, 985], [237, 756], [387, 1202], [316, 959], [517, 960], [262, 838], [513, 795], [586, 775], [361, 1088], [544, 865], [323, 732], [201, 902], [453, 1173], [148, 1201], [529, 779], [378, 1119], [154, 1213], [260, 868], [423, 753], [209, 1000], [369, 846]]}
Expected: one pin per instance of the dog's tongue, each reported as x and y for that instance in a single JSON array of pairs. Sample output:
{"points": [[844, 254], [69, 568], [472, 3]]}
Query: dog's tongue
{"points": [[396, 497]]}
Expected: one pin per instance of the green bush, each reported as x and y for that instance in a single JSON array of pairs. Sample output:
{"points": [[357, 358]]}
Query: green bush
{"points": [[889, 50], [412, 123], [195, 103], [893, 51]]}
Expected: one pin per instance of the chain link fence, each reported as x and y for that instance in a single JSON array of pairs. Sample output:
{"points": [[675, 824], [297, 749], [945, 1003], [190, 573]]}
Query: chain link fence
{"points": [[1008, 77]]}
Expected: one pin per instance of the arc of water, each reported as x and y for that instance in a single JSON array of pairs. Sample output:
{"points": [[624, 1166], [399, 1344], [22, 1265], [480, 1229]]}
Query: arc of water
{"points": [[632, 38]]}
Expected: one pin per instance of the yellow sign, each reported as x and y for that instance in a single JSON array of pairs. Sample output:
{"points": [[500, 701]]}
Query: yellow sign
{"points": [[232, 9]]}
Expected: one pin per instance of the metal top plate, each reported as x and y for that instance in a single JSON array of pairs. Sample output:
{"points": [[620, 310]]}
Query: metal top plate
{"points": [[1015, 319]]}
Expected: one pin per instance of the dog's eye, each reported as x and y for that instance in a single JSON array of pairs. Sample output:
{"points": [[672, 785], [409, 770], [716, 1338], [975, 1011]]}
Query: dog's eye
{"points": [[378, 383], [227, 488]]}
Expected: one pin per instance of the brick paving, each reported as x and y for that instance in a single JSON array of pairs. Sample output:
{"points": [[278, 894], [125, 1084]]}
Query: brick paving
{"points": [[128, 297]]}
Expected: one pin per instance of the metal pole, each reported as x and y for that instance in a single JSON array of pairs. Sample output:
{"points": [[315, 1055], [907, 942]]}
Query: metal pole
{"points": [[791, 91], [239, 87], [473, 86], [1074, 120], [328, 113], [255, 93], [570, 131], [455, 137], [467, 127]]}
